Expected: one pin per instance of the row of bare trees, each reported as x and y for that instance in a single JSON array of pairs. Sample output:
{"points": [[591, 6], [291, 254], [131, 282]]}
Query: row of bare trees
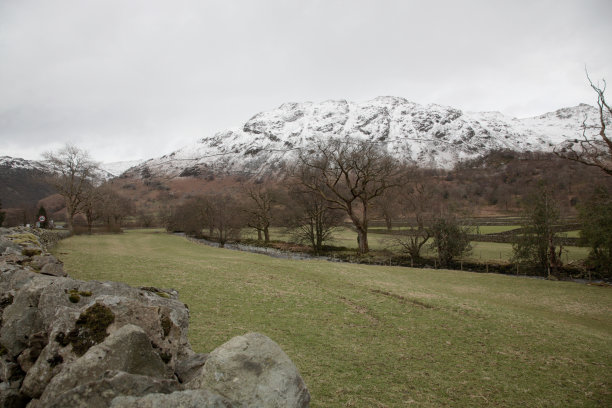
{"points": [[332, 182], [76, 177]]}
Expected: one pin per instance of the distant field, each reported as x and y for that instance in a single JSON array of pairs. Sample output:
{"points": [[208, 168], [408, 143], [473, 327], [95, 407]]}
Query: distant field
{"points": [[495, 229], [368, 336], [482, 251]]}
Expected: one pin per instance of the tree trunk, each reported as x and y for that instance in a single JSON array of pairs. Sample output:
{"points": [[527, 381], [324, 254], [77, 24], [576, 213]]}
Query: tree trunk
{"points": [[70, 218], [362, 239], [266, 232], [388, 221], [258, 234]]}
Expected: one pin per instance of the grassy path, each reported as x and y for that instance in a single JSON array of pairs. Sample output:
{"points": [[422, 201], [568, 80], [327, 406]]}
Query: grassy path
{"points": [[366, 336]]}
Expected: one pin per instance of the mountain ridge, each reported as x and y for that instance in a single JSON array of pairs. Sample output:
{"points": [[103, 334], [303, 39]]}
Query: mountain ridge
{"points": [[431, 135]]}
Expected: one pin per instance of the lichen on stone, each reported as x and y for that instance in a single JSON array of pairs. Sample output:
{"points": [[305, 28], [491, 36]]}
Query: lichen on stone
{"points": [[89, 329]]}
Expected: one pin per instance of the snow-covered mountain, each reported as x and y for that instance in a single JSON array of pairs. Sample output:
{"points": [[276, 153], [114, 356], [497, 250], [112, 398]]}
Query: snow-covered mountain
{"points": [[107, 170], [430, 135], [115, 169], [16, 163]]}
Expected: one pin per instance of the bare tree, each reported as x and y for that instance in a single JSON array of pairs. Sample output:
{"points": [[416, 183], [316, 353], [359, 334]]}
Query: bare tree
{"points": [[349, 175], [89, 205], [112, 207], [418, 209], [312, 221], [594, 148], [259, 211], [389, 207], [222, 214], [72, 170]]}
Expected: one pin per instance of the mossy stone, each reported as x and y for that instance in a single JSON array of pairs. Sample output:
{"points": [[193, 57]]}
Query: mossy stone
{"points": [[89, 329]]}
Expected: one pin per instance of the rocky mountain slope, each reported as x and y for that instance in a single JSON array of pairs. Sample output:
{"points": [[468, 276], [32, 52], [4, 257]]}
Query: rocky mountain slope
{"points": [[431, 135]]}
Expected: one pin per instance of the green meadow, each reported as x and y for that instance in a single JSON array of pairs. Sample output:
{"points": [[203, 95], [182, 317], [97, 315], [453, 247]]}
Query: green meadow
{"points": [[374, 336], [481, 251]]}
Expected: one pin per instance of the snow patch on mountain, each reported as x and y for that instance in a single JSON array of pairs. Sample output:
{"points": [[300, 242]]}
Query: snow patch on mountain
{"points": [[429, 135], [115, 169], [106, 171]]}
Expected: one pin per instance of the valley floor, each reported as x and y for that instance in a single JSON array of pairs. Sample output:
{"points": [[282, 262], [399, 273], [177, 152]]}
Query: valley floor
{"points": [[371, 336]]}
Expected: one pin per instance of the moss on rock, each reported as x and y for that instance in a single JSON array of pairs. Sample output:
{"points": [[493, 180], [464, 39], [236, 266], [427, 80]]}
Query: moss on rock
{"points": [[89, 329]]}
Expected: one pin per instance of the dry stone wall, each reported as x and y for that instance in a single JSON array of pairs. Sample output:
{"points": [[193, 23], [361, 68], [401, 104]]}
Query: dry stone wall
{"points": [[70, 343]]}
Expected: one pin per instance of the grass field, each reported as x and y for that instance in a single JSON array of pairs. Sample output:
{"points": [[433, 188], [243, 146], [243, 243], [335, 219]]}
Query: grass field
{"points": [[367, 336], [481, 251]]}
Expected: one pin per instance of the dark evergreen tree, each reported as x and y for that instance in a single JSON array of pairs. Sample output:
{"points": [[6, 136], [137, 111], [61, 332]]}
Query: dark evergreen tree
{"points": [[596, 217], [539, 244], [450, 239]]}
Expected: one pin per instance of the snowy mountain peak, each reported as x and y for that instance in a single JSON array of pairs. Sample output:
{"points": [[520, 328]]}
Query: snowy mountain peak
{"points": [[430, 135]]}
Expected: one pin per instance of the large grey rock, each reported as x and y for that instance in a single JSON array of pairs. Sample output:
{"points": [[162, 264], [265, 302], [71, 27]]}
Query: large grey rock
{"points": [[11, 398], [38, 261], [53, 269], [253, 371], [100, 393], [53, 357], [189, 367], [6, 244], [182, 399], [36, 343], [128, 349], [10, 372], [164, 320], [21, 320]]}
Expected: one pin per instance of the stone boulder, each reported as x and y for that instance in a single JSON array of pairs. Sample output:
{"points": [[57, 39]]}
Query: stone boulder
{"points": [[100, 393], [189, 367], [128, 350], [183, 399], [253, 371], [20, 319], [48, 265]]}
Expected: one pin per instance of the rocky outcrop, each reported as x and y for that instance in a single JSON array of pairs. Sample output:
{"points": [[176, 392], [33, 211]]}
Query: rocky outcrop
{"points": [[65, 342]]}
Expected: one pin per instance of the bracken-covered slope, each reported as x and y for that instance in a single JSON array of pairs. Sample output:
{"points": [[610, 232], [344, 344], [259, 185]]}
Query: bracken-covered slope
{"points": [[431, 135]]}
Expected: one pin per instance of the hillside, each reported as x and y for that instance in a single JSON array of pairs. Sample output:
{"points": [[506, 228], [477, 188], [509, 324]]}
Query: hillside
{"points": [[431, 135], [22, 182]]}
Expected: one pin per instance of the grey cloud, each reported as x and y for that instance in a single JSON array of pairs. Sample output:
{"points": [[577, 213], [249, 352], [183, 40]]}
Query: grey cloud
{"points": [[140, 78]]}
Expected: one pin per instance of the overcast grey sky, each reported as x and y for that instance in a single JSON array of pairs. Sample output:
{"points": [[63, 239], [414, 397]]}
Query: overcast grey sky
{"points": [[129, 79]]}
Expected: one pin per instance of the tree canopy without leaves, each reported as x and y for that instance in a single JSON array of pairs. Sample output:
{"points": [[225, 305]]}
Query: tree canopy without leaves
{"points": [[595, 146], [417, 205], [538, 244], [349, 175], [73, 171], [259, 210], [311, 220]]}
